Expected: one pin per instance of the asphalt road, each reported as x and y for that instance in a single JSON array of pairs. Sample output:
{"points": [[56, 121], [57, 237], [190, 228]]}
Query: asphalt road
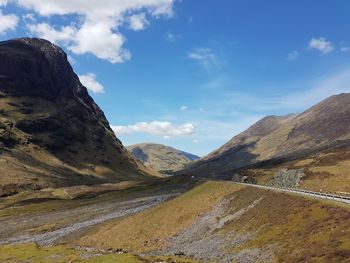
{"points": [[319, 195]]}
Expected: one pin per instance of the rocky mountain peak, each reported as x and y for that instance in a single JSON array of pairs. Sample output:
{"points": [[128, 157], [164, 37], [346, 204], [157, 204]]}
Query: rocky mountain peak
{"points": [[44, 45], [36, 67], [47, 112]]}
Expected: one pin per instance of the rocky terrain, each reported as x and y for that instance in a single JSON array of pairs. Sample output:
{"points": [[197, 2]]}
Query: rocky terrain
{"points": [[161, 158], [52, 133], [288, 178], [47, 221], [276, 139]]}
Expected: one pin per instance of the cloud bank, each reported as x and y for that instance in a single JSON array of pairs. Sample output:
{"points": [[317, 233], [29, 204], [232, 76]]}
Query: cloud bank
{"points": [[165, 129], [95, 27], [7, 22]]}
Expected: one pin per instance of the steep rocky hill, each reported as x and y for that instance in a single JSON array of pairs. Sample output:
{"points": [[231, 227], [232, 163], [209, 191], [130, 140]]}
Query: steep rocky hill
{"points": [[160, 157], [274, 138], [52, 133]]}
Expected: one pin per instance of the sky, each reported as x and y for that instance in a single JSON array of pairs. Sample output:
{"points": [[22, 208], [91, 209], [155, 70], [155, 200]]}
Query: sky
{"points": [[192, 74]]}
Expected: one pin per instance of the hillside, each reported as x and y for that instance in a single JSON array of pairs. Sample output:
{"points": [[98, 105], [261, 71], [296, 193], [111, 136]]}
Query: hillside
{"points": [[324, 126], [52, 133], [160, 157], [225, 222], [213, 222]]}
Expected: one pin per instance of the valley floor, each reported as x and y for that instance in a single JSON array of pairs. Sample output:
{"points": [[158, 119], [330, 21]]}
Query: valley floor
{"points": [[212, 222]]}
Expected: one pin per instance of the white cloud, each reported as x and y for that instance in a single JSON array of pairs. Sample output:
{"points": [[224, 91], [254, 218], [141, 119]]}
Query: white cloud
{"points": [[196, 141], [183, 108], [46, 31], [321, 44], [95, 38], [171, 37], [205, 56], [7, 22], [99, 39], [90, 82], [345, 49], [165, 129], [97, 26], [292, 56], [138, 21], [30, 17]]}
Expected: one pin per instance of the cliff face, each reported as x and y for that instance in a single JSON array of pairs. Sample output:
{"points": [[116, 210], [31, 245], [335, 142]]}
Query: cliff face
{"points": [[51, 125], [324, 126]]}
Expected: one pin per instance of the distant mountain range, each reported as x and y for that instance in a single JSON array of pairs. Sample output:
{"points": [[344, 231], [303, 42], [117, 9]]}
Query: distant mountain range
{"points": [[161, 158], [52, 133], [276, 139]]}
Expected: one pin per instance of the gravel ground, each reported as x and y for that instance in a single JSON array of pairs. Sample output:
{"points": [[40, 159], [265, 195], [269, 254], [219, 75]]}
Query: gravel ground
{"points": [[205, 241], [14, 231]]}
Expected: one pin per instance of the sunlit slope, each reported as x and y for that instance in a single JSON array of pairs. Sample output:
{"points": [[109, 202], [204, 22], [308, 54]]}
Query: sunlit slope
{"points": [[324, 126]]}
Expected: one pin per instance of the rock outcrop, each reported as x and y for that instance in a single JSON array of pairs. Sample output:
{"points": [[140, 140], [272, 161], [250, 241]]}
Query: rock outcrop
{"points": [[288, 178]]}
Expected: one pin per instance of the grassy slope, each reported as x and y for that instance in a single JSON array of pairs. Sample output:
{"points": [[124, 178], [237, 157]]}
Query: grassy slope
{"points": [[27, 163], [59, 254], [62, 254], [160, 157], [148, 230], [327, 171], [290, 228], [294, 228]]}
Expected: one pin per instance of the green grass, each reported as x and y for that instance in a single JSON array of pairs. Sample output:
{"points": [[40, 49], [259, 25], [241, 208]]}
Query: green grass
{"points": [[32, 253], [59, 254]]}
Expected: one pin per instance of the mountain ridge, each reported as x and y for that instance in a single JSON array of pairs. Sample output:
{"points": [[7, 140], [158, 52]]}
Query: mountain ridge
{"points": [[160, 157], [52, 133], [275, 137]]}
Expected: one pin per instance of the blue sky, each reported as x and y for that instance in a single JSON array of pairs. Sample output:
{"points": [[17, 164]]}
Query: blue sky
{"points": [[192, 74]]}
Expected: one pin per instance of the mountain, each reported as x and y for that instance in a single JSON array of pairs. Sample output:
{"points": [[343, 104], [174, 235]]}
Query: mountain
{"points": [[52, 133], [160, 157], [281, 138]]}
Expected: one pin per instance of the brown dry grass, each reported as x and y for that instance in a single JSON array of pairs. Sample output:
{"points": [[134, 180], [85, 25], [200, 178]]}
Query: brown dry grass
{"points": [[149, 230], [328, 171], [289, 227], [60, 254], [296, 229]]}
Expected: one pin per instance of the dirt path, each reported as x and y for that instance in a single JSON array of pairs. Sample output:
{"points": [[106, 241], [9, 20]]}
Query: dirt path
{"points": [[18, 230]]}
